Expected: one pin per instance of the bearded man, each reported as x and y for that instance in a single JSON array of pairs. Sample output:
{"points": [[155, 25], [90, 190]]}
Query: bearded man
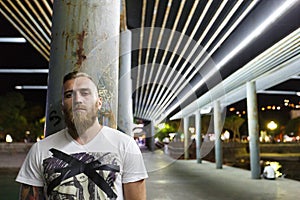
{"points": [[86, 160]]}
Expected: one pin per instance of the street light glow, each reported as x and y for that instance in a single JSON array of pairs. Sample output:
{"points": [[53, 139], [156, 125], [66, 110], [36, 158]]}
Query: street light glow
{"points": [[272, 125]]}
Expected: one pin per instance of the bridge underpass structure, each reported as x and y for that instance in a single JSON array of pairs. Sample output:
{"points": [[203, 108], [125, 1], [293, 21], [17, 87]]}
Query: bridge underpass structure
{"points": [[186, 55]]}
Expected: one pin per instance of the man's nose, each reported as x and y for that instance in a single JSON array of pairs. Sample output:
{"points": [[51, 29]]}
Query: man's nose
{"points": [[77, 98]]}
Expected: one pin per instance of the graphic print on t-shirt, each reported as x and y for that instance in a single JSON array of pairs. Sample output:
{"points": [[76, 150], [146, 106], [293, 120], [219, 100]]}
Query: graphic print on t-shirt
{"points": [[81, 175]]}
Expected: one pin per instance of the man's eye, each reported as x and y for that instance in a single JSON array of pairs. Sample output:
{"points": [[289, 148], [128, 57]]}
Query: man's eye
{"points": [[68, 95], [84, 93]]}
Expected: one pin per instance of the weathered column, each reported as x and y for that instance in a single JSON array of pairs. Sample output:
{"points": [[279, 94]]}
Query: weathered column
{"points": [[85, 37], [125, 115], [253, 130], [198, 136], [152, 137], [150, 132], [218, 130], [186, 137]]}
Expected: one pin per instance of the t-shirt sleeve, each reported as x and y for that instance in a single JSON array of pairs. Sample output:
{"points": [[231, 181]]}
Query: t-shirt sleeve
{"points": [[30, 172], [134, 168]]}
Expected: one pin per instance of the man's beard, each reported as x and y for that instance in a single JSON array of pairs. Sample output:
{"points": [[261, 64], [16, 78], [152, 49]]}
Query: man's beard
{"points": [[78, 122]]}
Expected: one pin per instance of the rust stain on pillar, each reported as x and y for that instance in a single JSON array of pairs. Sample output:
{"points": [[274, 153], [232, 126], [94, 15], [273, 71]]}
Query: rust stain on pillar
{"points": [[80, 50]]}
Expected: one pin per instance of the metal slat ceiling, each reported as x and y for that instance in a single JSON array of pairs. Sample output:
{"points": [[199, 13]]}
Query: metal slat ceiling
{"points": [[175, 43], [33, 20]]}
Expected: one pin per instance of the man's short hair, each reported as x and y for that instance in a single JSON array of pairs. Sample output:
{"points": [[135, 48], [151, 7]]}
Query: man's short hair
{"points": [[76, 74]]}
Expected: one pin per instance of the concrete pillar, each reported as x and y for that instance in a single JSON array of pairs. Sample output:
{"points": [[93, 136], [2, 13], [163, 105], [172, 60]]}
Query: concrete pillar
{"points": [[152, 136], [150, 132], [198, 136], [253, 130], [85, 37], [186, 137], [218, 130], [125, 111]]}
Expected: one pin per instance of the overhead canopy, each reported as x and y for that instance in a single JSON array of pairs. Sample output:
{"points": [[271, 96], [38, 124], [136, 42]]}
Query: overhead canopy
{"points": [[186, 52]]}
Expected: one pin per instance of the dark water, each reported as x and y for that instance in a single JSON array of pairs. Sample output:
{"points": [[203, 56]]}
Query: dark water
{"points": [[9, 189]]}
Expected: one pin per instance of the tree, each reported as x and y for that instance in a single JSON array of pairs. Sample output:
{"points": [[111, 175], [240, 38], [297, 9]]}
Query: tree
{"points": [[11, 119], [234, 123], [16, 118], [170, 127], [34, 115], [293, 126]]}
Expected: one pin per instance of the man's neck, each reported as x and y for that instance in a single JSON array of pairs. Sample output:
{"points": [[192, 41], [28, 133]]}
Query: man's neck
{"points": [[86, 136]]}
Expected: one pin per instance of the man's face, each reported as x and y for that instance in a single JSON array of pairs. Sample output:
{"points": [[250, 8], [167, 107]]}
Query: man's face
{"points": [[80, 103]]}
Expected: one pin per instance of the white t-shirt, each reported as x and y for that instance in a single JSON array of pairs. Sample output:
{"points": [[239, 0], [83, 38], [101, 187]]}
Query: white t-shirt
{"points": [[68, 170], [269, 172]]}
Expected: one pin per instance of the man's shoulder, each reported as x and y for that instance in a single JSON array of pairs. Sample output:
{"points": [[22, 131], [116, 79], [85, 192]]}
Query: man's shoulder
{"points": [[57, 136], [112, 130], [108, 131]]}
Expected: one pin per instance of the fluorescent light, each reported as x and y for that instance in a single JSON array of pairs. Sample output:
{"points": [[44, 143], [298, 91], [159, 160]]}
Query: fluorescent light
{"points": [[12, 40], [258, 31], [253, 35], [42, 71], [31, 87], [278, 92]]}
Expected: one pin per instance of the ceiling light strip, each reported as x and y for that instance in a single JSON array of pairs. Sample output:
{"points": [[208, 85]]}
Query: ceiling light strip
{"points": [[186, 79], [230, 82], [206, 99], [236, 23], [223, 24], [191, 37], [267, 58], [216, 33], [160, 37], [262, 64], [140, 55], [35, 23], [24, 71], [48, 7], [170, 40], [47, 28], [277, 13], [46, 44], [144, 81], [25, 35], [13, 39], [258, 31], [281, 92], [225, 36], [295, 77], [175, 51], [43, 13], [163, 102], [26, 30], [31, 87]]}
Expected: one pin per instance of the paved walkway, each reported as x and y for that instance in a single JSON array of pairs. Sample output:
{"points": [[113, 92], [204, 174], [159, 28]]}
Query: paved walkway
{"points": [[185, 179], [171, 179]]}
